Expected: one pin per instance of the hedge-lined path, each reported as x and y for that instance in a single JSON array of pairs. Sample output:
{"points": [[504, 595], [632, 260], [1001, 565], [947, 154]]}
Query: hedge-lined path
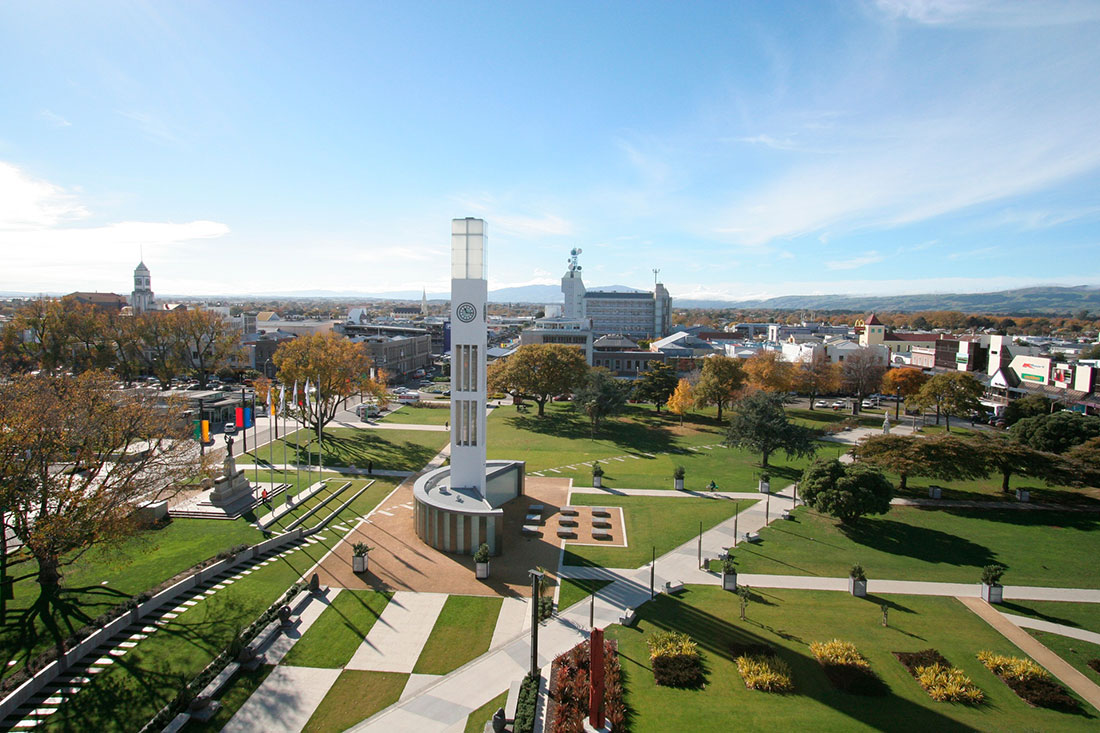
{"points": [[72, 681], [1079, 683]]}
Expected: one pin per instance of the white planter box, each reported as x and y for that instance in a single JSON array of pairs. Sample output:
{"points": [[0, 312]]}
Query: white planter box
{"points": [[481, 570], [765, 487], [993, 593], [359, 563], [1023, 495], [857, 588], [729, 581], [679, 484], [597, 481], [935, 492]]}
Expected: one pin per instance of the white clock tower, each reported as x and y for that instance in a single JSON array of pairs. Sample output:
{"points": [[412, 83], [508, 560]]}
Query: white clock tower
{"points": [[469, 293]]}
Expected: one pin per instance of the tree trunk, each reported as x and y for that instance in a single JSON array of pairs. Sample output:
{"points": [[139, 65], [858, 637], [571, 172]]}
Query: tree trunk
{"points": [[813, 396], [947, 420], [1005, 476], [49, 584], [542, 406], [901, 484], [764, 462], [719, 410], [937, 414]]}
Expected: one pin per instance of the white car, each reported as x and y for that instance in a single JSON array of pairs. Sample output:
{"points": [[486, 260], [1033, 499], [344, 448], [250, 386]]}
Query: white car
{"points": [[822, 404]]}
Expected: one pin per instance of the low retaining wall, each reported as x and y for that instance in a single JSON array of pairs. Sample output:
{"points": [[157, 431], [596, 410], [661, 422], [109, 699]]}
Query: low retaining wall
{"points": [[314, 510], [51, 671]]}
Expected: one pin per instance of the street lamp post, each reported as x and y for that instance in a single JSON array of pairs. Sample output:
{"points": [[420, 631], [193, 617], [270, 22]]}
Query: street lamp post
{"points": [[536, 576]]}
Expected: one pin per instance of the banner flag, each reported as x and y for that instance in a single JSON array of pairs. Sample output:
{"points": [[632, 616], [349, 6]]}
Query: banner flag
{"points": [[239, 417], [206, 431], [282, 399], [248, 417], [198, 430], [294, 403], [309, 404]]}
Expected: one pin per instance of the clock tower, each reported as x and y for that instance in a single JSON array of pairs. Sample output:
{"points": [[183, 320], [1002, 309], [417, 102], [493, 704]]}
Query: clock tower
{"points": [[469, 337]]}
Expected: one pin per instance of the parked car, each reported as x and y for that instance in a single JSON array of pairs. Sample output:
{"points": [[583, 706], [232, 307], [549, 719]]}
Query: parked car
{"points": [[823, 404], [230, 428], [868, 404], [839, 405]]}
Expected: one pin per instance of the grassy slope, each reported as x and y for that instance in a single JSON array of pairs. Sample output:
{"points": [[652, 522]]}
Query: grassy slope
{"points": [[934, 544], [355, 696], [419, 415], [461, 633], [475, 723], [392, 450], [780, 618], [650, 522], [574, 591], [1076, 652], [233, 696], [339, 631], [1080, 615]]}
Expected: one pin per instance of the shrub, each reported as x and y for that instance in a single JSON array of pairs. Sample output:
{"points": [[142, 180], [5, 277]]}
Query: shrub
{"points": [[568, 692], [675, 660], [679, 472], [546, 608], [856, 572], [597, 469], [360, 549], [991, 574], [846, 668], [526, 702], [767, 673], [1094, 665], [838, 652], [729, 566], [482, 554], [1028, 680], [948, 684]]}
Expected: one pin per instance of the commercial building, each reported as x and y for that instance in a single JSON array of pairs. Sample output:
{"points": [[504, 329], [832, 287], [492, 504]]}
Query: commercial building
{"points": [[568, 331]]}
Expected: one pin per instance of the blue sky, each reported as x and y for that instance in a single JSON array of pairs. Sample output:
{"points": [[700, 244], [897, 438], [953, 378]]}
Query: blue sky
{"points": [[745, 149]]}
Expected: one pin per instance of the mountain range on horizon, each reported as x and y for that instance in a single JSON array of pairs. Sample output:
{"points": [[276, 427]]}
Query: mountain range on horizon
{"points": [[1041, 300]]}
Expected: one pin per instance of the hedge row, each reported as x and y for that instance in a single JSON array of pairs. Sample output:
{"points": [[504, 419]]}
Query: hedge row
{"points": [[526, 703]]}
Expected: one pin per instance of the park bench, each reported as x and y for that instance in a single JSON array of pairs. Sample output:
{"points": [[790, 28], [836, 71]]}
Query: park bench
{"points": [[534, 518], [204, 706], [674, 586], [601, 534], [569, 511], [177, 723], [601, 511], [566, 533], [601, 524], [531, 529], [536, 509], [566, 522], [750, 537], [627, 618], [787, 514]]}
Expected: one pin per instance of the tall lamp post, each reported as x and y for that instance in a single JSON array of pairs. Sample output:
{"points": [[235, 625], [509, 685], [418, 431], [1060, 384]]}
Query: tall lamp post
{"points": [[536, 577]]}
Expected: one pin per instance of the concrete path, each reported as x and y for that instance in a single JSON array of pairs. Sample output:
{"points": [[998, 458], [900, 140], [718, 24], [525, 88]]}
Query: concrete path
{"points": [[284, 702], [388, 426], [350, 470], [1061, 629], [1054, 664], [398, 636], [514, 619], [670, 493], [416, 683]]}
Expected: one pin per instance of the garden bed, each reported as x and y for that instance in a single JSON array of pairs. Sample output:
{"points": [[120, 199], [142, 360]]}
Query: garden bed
{"points": [[940, 680], [761, 668], [846, 669], [567, 698], [1029, 681], [675, 660]]}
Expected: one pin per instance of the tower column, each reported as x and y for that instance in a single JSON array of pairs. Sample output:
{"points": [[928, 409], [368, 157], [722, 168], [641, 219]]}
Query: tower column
{"points": [[469, 295]]}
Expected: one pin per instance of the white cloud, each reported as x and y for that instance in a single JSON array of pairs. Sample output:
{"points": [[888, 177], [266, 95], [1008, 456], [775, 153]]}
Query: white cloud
{"points": [[992, 13], [27, 203], [853, 263], [54, 119]]}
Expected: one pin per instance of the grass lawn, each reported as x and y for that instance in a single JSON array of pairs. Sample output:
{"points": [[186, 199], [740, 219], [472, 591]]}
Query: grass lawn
{"points": [[573, 591], [391, 450], [1076, 652], [233, 696], [408, 414], [339, 631], [149, 675], [1079, 615], [477, 720], [651, 521], [934, 544], [562, 438], [789, 621], [461, 633], [354, 697]]}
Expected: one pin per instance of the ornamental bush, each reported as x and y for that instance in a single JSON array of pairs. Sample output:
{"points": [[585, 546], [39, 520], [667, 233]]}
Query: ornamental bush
{"points": [[948, 684], [765, 673], [1028, 680], [838, 652], [526, 702], [846, 668], [675, 660]]}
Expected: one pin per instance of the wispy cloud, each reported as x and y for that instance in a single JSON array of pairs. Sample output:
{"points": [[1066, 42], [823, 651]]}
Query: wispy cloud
{"points": [[868, 258], [54, 119], [992, 13], [27, 203], [152, 126]]}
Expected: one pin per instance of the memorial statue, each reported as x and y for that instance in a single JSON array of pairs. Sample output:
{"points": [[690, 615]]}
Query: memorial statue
{"points": [[886, 424]]}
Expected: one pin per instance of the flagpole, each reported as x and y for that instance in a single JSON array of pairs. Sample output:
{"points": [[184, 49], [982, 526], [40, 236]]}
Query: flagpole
{"points": [[255, 440], [320, 441]]}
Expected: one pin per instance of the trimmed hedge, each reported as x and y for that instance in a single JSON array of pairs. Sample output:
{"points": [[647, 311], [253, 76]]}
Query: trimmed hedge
{"points": [[526, 703], [1029, 681]]}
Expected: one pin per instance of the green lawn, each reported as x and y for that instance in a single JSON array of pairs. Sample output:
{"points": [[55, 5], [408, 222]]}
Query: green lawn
{"points": [[789, 621], [477, 720], [573, 591], [233, 696], [1076, 652], [562, 438], [354, 697], [934, 544], [391, 450], [1079, 615], [664, 523], [149, 675], [408, 414], [461, 633], [339, 631]]}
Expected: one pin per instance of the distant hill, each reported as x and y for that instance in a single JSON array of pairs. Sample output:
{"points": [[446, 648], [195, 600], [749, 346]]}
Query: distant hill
{"points": [[1024, 301]]}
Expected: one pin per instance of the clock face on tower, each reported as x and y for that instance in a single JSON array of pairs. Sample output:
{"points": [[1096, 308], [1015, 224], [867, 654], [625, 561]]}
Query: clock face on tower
{"points": [[466, 312]]}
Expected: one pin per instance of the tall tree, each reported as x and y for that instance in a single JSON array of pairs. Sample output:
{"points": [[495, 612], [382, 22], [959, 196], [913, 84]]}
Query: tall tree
{"points": [[1085, 461], [334, 367], [904, 383], [656, 384], [537, 372], [153, 338], [681, 400], [1056, 433], [817, 375], [846, 492], [721, 379], [1008, 457], [600, 396], [951, 393], [945, 457], [1031, 405], [766, 370], [861, 374], [758, 423], [208, 341], [76, 456]]}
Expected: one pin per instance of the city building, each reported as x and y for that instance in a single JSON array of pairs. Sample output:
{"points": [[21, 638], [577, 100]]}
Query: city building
{"points": [[569, 331], [100, 301], [872, 332], [142, 299]]}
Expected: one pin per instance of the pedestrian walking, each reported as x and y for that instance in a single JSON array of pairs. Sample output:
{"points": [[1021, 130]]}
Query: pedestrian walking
{"points": [[264, 497], [370, 466]]}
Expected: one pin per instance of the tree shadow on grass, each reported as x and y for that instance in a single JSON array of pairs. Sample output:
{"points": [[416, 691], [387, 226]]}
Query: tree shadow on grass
{"points": [[920, 543], [629, 435], [716, 636], [1083, 521], [1032, 612], [363, 446]]}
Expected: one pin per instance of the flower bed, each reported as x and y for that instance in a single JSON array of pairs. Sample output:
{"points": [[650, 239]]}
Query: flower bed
{"points": [[526, 703], [761, 668], [940, 680], [675, 660], [1029, 681], [568, 692], [846, 668]]}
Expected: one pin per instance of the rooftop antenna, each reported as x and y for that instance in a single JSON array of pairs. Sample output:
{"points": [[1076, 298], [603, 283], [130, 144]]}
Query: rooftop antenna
{"points": [[655, 271], [573, 253]]}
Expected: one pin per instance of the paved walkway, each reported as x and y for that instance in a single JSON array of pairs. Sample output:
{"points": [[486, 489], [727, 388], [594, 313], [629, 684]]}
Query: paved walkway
{"points": [[284, 702], [350, 470], [1061, 629], [395, 641], [513, 620], [1057, 666]]}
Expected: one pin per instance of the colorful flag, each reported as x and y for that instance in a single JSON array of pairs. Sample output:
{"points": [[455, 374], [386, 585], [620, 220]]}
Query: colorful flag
{"points": [[294, 397], [282, 399], [270, 401], [239, 417], [309, 403]]}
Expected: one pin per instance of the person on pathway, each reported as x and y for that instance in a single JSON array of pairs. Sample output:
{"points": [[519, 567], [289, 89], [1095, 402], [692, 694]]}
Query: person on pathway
{"points": [[712, 486], [370, 466], [264, 498]]}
